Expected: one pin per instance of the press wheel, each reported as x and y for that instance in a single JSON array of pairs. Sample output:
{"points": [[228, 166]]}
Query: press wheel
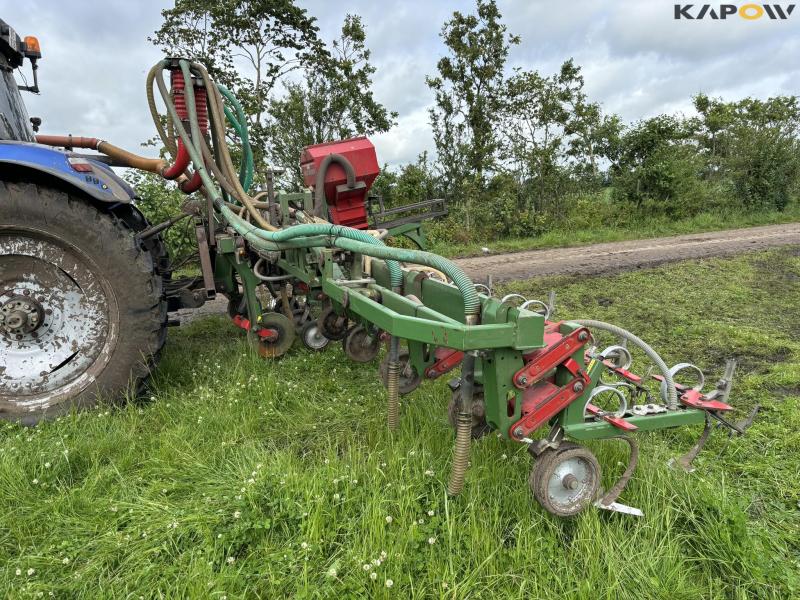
{"points": [[360, 345], [312, 337], [565, 480]]}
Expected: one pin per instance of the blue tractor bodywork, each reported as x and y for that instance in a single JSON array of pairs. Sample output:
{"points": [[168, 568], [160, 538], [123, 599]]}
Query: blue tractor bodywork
{"points": [[28, 161]]}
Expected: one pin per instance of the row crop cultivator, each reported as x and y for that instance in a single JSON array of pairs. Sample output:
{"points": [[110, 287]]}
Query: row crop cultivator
{"points": [[307, 263]]}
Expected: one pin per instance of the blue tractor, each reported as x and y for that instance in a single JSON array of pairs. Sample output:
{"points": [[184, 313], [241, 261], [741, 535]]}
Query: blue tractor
{"points": [[83, 307]]}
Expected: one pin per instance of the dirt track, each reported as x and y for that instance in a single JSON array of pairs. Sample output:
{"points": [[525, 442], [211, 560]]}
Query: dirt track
{"points": [[620, 256], [598, 258]]}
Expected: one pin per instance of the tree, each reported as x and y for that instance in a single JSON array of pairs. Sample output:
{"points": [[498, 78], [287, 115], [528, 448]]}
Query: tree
{"points": [[247, 45], [551, 137], [334, 100], [591, 134], [657, 168], [465, 117]]}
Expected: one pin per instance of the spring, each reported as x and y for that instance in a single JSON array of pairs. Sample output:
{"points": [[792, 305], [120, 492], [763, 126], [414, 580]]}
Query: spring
{"points": [[393, 384]]}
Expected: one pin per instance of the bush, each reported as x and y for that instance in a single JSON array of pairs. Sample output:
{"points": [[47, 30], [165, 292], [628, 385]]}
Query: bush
{"points": [[763, 168], [158, 201]]}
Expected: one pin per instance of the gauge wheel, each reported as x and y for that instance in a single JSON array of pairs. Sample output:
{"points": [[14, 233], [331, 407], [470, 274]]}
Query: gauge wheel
{"points": [[332, 326], [312, 338], [409, 378], [565, 480], [360, 346], [480, 427], [283, 340], [82, 312]]}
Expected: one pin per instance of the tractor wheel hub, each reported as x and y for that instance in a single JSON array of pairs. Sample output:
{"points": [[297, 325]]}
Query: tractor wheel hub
{"points": [[20, 315]]}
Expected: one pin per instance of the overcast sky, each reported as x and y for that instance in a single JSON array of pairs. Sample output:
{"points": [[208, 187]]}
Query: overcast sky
{"points": [[637, 60]]}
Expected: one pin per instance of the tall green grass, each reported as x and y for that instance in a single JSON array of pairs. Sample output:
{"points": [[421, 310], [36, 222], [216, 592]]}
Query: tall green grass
{"points": [[241, 478]]}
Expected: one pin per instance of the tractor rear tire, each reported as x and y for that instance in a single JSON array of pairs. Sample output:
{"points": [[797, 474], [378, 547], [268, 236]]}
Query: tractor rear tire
{"points": [[82, 308]]}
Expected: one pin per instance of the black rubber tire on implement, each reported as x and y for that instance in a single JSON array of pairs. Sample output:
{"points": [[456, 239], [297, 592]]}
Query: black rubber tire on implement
{"points": [[127, 278]]}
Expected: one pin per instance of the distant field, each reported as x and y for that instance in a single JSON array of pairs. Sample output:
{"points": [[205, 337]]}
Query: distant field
{"points": [[579, 233], [244, 478]]}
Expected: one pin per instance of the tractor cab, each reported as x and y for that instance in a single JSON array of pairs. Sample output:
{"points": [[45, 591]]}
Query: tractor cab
{"points": [[14, 122]]}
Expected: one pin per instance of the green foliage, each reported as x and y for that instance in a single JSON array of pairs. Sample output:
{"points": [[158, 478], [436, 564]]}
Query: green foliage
{"points": [[248, 479], [269, 37], [467, 110], [412, 182], [158, 202], [657, 169], [333, 101]]}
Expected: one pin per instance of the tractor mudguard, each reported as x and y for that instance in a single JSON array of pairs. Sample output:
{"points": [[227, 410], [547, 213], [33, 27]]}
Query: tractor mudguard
{"points": [[85, 175]]}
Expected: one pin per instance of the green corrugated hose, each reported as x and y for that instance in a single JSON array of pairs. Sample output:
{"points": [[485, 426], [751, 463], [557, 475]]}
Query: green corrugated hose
{"points": [[239, 124]]}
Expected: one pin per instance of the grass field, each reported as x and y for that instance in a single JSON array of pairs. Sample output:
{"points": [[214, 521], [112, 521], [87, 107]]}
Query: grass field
{"points": [[244, 478], [577, 233]]}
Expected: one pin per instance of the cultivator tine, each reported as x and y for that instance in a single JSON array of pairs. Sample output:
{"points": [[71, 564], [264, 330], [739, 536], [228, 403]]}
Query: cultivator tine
{"points": [[551, 304], [609, 500], [745, 424], [685, 461]]}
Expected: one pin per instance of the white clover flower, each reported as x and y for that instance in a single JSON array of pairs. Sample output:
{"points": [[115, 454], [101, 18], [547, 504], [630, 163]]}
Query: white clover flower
{"points": [[504, 456], [421, 521], [373, 576], [331, 572], [19, 571], [336, 496], [389, 518], [429, 473], [237, 514], [383, 555], [366, 567], [31, 571], [65, 560], [304, 545], [431, 540], [389, 583], [231, 560], [376, 562], [35, 482], [431, 513], [47, 465]]}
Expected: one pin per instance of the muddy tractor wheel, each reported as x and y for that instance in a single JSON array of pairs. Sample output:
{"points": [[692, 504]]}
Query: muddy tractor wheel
{"points": [[82, 313]]}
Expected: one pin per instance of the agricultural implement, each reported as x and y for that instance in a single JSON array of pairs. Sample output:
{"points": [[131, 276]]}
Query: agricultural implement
{"points": [[308, 264]]}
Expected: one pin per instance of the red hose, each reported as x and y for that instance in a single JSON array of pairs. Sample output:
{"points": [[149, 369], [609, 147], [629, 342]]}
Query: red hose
{"points": [[187, 187], [180, 164]]}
